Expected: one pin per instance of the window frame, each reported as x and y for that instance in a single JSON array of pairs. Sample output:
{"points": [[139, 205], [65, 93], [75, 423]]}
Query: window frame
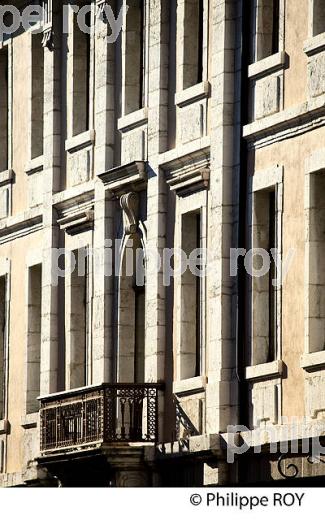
{"points": [[271, 178]]}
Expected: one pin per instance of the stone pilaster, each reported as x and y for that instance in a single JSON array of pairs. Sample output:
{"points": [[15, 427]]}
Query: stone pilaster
{"points": [[221, 391], [156, 198], [104, 160], [52, 172]]}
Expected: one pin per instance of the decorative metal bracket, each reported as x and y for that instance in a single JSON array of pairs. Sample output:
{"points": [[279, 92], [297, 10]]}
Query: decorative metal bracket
{"points": [[283, 469], [130, 206], [47, 40], [291, 471]]}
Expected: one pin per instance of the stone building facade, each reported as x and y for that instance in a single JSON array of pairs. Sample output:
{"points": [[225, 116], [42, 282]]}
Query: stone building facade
{"points": [[199, 127]]}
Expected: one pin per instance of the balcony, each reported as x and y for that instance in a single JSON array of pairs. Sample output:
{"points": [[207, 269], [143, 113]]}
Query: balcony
{"points": [[106, 414]]}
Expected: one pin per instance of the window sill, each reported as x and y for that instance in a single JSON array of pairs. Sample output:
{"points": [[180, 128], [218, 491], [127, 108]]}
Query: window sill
{"points": [[190, 386], [313, 361], [35, 165], [4, 427], [265, 371], [315, 44], [267, 65], [6, 177], [80, 141], [29, 420], [133, 120], [192, 94]]}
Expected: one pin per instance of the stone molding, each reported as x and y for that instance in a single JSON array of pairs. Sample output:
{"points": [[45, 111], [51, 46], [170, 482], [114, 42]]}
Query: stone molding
{"points": [[266, 178], [125, 178], [190, 386], [35, 165], [189, 173], [267, 65], [314, 45], [7, 177], [77, 223], [21, 225], [271, 370], [285, 124], [80, 141], [189, 181], [212, 443], [192, 94], [77, 214], [313, 361], [29, 420], [133, 120], [4, 427], [182, 151]]}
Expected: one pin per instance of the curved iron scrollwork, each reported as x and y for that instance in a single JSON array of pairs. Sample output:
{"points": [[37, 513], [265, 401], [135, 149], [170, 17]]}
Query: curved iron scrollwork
{"points": [[285, 468], [290, 470], [311, 459]]}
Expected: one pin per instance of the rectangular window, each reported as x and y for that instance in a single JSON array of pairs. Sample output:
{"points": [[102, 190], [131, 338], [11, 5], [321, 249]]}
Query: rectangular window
{"points": [[265, 28], [34, 337], [193, 42], [191, 308], [4, 109], [3, 339], [264, 284], [79, 298], [134, 59], [37, 115], [81, 77], [316, 263], [318, 17], [139, 334]]}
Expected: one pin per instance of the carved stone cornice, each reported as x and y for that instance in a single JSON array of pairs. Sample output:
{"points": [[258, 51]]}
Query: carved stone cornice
{"points": [[77, 223], [76, 215], [127, 178], [189, 173]]}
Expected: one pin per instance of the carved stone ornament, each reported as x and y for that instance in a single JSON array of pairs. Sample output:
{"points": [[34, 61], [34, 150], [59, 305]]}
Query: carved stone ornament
{"points": [[130, 206]]}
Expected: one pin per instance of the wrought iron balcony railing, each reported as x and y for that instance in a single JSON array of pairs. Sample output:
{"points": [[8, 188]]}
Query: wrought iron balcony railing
{"points": [[109, 413]]}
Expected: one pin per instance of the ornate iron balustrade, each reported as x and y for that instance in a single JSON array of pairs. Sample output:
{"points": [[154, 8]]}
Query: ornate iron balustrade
{"points": [[108, 413]]}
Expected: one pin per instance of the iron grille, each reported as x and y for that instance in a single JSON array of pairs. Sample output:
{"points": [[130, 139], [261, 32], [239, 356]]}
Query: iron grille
{"points": [[108, 413]]}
